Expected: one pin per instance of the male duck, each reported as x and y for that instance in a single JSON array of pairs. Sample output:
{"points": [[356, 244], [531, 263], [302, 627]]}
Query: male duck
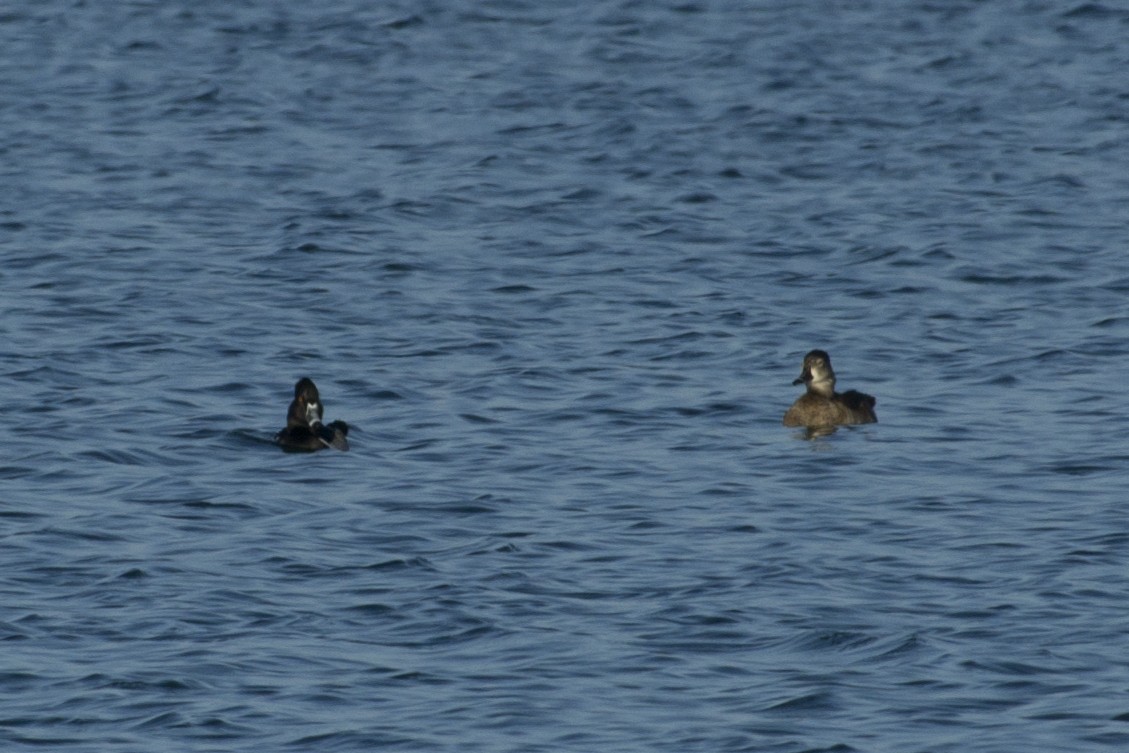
{"points": [[304, 430]]}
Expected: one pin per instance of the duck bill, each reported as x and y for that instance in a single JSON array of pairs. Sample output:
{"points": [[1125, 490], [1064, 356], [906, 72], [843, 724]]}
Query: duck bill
{"points": [[312, 413], [805, 376]]}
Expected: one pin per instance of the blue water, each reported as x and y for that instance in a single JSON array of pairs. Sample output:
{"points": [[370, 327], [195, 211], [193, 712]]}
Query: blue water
{"points": [[557, 266]]}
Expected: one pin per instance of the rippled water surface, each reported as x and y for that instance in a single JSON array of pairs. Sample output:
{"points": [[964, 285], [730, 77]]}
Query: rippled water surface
{"points": [[557, 266]]}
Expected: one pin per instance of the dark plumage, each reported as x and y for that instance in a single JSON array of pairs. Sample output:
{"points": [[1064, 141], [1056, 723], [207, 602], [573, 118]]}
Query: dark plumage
{"points": [[304, 430]]}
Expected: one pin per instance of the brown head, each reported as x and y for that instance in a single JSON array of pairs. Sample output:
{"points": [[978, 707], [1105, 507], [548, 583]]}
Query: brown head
{"points": [[817, 373]]}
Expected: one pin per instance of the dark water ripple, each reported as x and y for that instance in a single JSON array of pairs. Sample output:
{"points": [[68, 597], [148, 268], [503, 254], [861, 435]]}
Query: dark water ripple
{"points": [[557, 268]]}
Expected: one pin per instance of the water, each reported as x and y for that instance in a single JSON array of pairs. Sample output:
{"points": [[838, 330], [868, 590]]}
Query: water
{"points": [[558, 267]]}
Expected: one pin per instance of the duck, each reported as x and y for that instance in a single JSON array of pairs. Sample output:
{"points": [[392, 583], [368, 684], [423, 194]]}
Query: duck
{"points": [[304, 430], [821, 405]]}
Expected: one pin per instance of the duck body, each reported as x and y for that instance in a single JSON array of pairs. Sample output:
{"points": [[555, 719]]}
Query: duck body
{"points": [[304, 430], [821, 405]]}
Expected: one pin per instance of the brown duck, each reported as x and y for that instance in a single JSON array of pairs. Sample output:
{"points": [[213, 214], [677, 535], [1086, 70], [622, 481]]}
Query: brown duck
{"points": [[821, 405]]}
